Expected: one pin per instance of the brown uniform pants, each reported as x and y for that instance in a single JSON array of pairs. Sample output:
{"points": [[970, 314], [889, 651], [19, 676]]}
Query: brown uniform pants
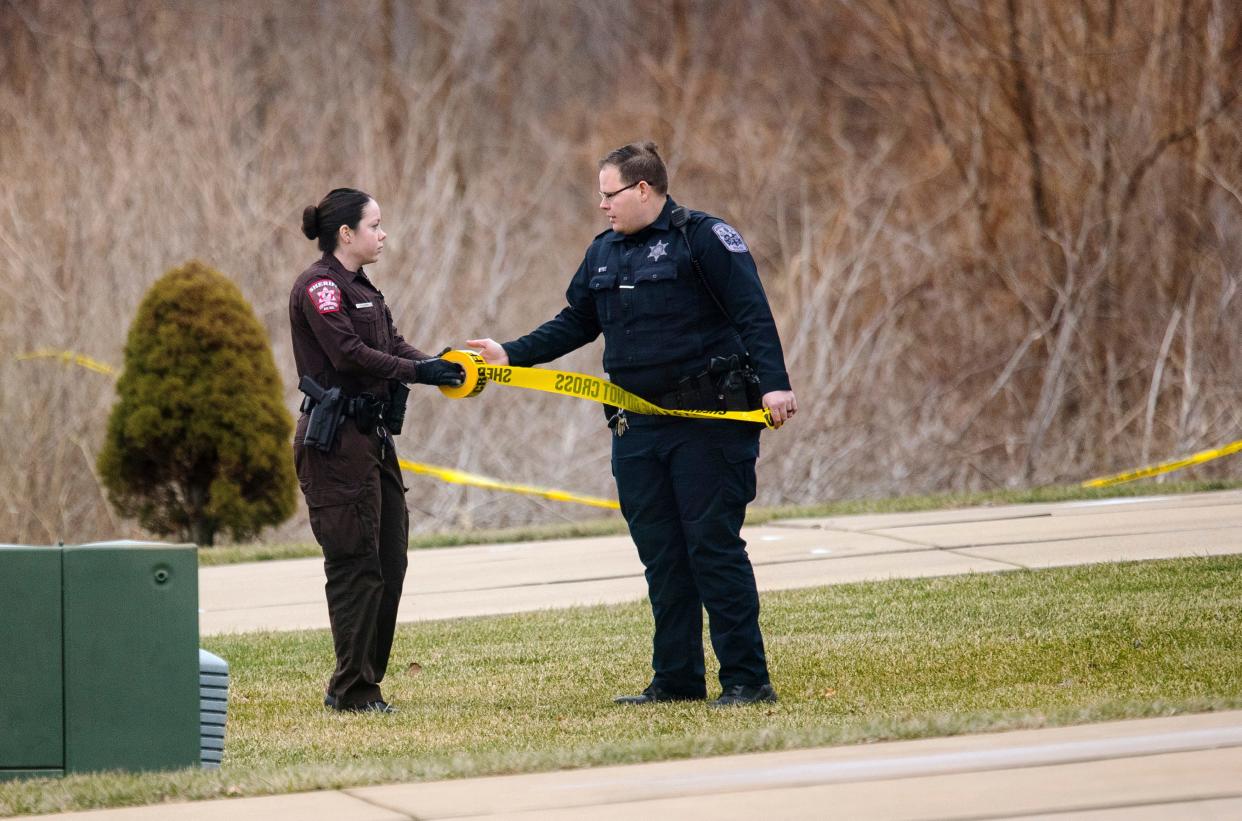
{"points": [[358, 514]]}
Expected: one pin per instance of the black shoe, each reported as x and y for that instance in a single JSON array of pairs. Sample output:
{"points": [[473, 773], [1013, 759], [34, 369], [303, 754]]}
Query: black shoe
{"points": [[377, 706], [744, 694], [653, 695]]}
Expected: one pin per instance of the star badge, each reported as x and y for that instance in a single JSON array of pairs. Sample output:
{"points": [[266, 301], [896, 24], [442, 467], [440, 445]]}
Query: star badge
{"points": [[660, 249]]}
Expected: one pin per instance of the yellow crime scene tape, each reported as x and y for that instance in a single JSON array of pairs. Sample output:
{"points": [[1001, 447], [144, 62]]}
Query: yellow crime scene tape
{"points": [[479, 374], [71, 358], [591, 388], [451, 475], [1165, 467], [460, 477]]}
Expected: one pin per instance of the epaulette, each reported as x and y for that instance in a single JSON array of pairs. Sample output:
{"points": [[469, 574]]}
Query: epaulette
{"points": [[694, 218]]}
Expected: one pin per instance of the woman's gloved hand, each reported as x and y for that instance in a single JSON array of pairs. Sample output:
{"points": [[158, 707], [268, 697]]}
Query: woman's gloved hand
{"points": [[437, 371]]}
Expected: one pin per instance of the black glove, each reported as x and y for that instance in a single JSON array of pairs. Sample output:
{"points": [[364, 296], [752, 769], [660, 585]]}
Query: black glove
{"points": [[436, 371]]}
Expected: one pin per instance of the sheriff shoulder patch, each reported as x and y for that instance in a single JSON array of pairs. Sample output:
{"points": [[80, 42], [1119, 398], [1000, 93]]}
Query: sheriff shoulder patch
{"points": [[325, 296], [730, 238]]}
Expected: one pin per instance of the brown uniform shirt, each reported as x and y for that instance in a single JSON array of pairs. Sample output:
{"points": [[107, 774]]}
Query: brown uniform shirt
{"points": [[343, 333]]}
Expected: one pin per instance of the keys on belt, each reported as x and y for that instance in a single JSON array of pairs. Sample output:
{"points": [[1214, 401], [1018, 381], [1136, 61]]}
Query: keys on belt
{"points": [[618, 422]]}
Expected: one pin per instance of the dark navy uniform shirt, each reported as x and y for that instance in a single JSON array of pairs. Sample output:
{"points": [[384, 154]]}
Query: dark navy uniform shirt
{"points": [[641, 291]]}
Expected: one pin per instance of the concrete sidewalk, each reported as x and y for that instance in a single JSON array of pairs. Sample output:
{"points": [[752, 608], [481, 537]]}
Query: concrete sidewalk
{"points": [[509, 578], [1164, 768]]}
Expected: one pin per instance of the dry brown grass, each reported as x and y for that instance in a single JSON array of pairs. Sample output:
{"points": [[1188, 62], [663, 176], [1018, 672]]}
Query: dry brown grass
{"points": [[1001, 238]]}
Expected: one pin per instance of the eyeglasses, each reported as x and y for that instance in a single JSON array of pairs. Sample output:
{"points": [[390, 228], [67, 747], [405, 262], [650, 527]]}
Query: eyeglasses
{"points": [[606, 196]]}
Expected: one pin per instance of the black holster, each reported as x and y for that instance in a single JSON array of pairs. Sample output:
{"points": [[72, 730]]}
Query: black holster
{"points": [[327, 409], [737, 383]]}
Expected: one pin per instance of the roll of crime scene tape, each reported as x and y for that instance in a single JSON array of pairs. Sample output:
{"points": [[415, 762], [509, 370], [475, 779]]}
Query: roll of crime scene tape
{"points": [[476, 376], [1165, 467], [581, 386]]}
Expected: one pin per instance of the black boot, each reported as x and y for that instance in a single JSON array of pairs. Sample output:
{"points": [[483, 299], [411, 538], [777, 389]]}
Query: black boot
{"points": [[653, 695], [736, 694]]}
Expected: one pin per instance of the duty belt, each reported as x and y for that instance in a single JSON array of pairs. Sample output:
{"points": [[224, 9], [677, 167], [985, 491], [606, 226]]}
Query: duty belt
{"points": [[366, 409], [728, 384]]}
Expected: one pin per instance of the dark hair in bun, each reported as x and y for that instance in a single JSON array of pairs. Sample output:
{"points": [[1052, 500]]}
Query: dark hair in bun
{"points": [[342, 206], [310, 222]]}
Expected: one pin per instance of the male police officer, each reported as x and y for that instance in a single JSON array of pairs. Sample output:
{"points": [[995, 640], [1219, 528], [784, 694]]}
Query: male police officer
{"points": [[679, 302]]}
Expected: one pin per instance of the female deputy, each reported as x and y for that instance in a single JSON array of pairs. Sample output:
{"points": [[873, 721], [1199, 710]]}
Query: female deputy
{"points": [[344, 338]]}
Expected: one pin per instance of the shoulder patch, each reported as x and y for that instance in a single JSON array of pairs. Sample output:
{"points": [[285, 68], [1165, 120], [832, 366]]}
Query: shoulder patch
{"points": [[729, 238], [325, 296]]}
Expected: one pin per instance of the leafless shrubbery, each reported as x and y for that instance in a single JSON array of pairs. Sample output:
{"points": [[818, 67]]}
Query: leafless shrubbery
{"points": [[1001, 237]]}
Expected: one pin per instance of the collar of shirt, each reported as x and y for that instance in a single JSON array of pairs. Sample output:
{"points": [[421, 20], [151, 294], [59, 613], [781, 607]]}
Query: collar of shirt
{"points": [[661, 223], [342, 273]]}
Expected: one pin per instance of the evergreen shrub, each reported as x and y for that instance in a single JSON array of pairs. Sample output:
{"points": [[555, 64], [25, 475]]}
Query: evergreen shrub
{"points": [[198, 440]]}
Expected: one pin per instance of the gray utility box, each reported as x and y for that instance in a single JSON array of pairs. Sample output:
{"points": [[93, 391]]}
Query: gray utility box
{"points": [[99, 665], [213, 694]]}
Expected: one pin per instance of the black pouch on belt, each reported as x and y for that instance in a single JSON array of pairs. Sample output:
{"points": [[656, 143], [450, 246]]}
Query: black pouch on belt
{"points": [[697, 392], [367, 412], [394, 414]]}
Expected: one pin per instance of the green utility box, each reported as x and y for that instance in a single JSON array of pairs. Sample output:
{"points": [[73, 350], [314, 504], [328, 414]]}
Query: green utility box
{"points": [[32, 721], [98, 658]]}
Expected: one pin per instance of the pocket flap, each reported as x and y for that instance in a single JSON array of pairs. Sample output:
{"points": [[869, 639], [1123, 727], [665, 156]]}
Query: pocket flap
{"points": [[333, 496], [603, 282], [657, 273]]}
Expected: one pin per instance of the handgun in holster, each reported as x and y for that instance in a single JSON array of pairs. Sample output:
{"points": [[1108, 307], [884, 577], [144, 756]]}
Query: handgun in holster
{"points": [[327, 409], [736, 382]]}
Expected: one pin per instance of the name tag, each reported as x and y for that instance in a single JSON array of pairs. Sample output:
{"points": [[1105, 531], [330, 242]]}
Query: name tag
{"points": [[363, 305]]}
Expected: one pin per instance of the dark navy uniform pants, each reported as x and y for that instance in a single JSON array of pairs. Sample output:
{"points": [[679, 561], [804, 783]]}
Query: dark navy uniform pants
{"points": [[684, 485]]}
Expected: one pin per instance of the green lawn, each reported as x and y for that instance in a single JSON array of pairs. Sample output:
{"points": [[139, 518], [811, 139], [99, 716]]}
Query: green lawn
{"points": [[612, 525], [852, 663]]}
